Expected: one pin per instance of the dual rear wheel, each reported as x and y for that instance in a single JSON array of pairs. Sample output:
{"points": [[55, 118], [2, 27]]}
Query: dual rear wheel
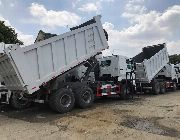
{"points": [[64, 100], [160, 87]]}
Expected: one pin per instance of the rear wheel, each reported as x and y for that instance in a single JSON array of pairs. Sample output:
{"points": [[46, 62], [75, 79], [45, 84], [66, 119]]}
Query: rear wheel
{"points": [[84, 97], [17, 101], [62, 101]]}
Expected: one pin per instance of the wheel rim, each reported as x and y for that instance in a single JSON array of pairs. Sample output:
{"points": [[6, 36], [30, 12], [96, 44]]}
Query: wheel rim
{"points": [[86, 96], [65, 100]]}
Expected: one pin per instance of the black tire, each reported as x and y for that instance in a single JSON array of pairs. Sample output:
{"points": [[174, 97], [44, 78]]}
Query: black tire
{"points": [[156, 88], [84, 97], [62, 101], [18, 103], [162, 88], [125, 92]]}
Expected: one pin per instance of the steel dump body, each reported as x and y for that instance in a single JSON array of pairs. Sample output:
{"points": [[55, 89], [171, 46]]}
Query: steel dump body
{"points": [[150, 62], [27, 68]]}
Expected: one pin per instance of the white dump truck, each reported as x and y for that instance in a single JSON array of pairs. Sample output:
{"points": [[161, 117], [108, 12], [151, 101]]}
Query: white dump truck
{"points": [[149, 63], [42, 71]]}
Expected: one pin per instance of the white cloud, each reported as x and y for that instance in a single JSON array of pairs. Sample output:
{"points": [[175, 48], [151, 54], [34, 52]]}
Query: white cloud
{"points": [[134, 8], [109, 0], [8, 3], [75, 3], [53, 18], [147, 28], [26, 38], [89, 7], [172, 17], [93, 6], [12, 4], [105, 1], [174, 47], [108, 26]]}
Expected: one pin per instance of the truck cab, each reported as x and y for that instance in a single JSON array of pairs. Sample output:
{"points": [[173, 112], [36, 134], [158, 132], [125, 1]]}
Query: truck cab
{"points": [[115, 66]]}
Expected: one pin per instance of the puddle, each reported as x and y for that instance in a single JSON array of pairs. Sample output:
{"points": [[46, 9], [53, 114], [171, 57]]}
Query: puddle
{"points": [[150, 125]]}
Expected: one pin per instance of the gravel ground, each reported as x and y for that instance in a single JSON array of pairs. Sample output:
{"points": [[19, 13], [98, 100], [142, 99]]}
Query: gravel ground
{"points": [[145, 117]]}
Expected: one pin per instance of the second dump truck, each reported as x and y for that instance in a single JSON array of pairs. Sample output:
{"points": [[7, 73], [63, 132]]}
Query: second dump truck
{"points": [[153, 71]]}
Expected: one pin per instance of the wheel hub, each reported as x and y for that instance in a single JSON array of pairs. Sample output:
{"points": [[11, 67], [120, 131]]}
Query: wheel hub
{"points": [[86, 96], [65, 100]]}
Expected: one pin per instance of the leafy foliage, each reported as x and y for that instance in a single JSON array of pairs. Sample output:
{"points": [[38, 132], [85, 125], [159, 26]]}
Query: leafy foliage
{"points": [[174, 59], [8, 34]]}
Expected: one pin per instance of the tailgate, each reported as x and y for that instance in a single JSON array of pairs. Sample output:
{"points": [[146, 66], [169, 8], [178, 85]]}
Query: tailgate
{"points": [[8, 74]]}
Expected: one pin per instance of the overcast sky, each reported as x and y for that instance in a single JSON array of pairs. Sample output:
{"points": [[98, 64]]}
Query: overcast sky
{"points": [[131, 24]]}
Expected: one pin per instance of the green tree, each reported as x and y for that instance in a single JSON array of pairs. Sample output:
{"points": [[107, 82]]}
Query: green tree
{"points": [[174, 59], [8, 34]]}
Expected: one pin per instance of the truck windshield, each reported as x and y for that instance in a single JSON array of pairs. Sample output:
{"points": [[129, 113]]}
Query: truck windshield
{"points": [[105, 63]]}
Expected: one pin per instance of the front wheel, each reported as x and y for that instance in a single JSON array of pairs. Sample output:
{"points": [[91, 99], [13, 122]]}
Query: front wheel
{"points": [[17, 101], [62, 101]]}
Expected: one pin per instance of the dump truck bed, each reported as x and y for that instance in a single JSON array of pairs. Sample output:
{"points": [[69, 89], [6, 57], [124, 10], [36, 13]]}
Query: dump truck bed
{"points": [[150, 61], [27, 68]]}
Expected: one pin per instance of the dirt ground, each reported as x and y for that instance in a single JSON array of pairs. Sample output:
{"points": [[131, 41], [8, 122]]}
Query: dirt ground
{"points": [[146, 117]]}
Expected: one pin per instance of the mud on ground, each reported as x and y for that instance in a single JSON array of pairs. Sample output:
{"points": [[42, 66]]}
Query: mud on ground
{"points": [[145, 117]]}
